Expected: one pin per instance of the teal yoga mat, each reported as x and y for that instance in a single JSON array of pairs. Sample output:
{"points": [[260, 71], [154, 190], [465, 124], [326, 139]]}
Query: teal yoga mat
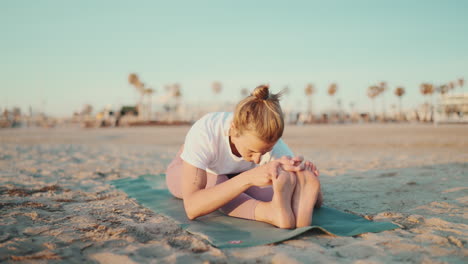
{"points": [[226, 232]]}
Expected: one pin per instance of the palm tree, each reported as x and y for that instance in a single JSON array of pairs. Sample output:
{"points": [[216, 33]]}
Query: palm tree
{"points": [[217, 87], [134, 80], [451, 85], [174, 99], [427, 89], [176, 90], [372, 92], [399, 91], [382, 88], [443, 89], [149, 92], [309, 91], [177, 94], [332, 90], [461, 82]]}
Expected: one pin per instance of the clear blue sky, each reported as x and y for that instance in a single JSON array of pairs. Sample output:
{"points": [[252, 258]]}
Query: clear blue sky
{"points": [[62, 54]]}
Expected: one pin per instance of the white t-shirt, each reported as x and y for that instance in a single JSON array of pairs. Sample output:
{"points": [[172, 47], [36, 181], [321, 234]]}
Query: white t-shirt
{"points": [[207, 146]]}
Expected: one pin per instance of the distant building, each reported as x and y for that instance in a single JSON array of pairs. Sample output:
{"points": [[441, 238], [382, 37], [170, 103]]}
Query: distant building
{"points": [[452, 108]]}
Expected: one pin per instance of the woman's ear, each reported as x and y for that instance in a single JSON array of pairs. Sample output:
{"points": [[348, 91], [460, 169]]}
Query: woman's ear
{"points": [[234, 131]]}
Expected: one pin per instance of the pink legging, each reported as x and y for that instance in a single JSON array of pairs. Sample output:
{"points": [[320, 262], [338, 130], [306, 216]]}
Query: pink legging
{"points": [[243, 206]]}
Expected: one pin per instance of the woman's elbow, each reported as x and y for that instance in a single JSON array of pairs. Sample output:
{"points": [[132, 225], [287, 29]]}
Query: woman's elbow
{"points": [[190, 215], [189, 211]]}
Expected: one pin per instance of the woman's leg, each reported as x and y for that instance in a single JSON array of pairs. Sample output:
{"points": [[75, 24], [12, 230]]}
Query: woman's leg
{"points": [[264, 194], [276, 210], [306, 196], [279, 210], [273, 209], [306, 185], [243, 206], [174, 175]]}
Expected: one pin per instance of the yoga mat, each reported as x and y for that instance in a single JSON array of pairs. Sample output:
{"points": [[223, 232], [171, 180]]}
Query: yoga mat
{"points": [[227, 232]]}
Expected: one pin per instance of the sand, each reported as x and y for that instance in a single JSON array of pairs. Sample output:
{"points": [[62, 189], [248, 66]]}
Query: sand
{"points": [[57, 207]]}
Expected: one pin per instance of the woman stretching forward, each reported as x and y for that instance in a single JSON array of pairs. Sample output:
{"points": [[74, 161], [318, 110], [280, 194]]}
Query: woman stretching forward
{"points": [[238, 163]]}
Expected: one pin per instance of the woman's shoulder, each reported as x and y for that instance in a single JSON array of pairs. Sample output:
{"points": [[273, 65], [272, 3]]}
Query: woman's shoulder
{"points": [[212, 123], [206, 134], [214, 119]]}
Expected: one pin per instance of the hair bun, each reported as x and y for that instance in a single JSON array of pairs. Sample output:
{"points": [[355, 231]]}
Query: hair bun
{"points": [[262, 92]]}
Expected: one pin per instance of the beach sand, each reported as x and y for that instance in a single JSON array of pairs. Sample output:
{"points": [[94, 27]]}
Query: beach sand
{"points": [[57, 207]]}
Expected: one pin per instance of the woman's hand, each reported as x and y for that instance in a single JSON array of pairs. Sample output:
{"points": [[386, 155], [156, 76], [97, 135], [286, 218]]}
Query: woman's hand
{"points": [[292, 164], [295, 164], [263, 175]]}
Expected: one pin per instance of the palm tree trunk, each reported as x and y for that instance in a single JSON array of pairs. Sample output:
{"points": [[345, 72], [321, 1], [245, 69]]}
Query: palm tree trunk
{"points": [[149, 107], [399, 108], [141, 108], [383, 107], [431, 108], [373, 109], [331, 105]]}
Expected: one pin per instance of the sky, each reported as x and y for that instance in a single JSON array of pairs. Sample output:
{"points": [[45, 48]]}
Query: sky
{"points": [[58, 55]]}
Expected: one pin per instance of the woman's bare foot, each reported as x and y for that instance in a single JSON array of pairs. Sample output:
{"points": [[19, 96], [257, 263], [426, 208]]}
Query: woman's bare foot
{"points": [[283, 189], [311, 167], [305, 197], [278, 212]]}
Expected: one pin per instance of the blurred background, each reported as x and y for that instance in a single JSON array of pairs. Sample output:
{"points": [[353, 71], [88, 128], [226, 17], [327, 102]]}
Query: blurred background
{"points": [[129, 63]]}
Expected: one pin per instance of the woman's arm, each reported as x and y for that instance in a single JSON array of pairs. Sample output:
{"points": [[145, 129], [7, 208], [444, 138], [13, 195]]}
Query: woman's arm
{"points": [[199, 201]]}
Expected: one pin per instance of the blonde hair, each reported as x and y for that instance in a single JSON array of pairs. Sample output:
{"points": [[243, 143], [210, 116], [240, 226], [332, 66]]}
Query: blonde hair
{"points": [[260, 113]]}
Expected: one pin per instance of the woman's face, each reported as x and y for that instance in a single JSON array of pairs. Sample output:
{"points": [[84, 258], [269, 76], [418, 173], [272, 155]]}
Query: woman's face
{"points": [[250, 147]]}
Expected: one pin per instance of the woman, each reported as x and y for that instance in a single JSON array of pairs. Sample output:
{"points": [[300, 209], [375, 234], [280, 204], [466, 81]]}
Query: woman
{"points": [[237, 162]]}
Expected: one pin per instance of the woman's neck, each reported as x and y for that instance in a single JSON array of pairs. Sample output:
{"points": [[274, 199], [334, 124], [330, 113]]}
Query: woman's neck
{"points": [[233, 147]]}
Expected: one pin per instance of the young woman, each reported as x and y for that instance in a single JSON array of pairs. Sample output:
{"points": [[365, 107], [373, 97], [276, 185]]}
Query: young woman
{"points": [[238, 163]]}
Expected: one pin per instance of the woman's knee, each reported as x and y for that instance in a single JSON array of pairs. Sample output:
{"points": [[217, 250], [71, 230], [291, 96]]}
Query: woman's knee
{"points": [[174, 176], [174, 183]]}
